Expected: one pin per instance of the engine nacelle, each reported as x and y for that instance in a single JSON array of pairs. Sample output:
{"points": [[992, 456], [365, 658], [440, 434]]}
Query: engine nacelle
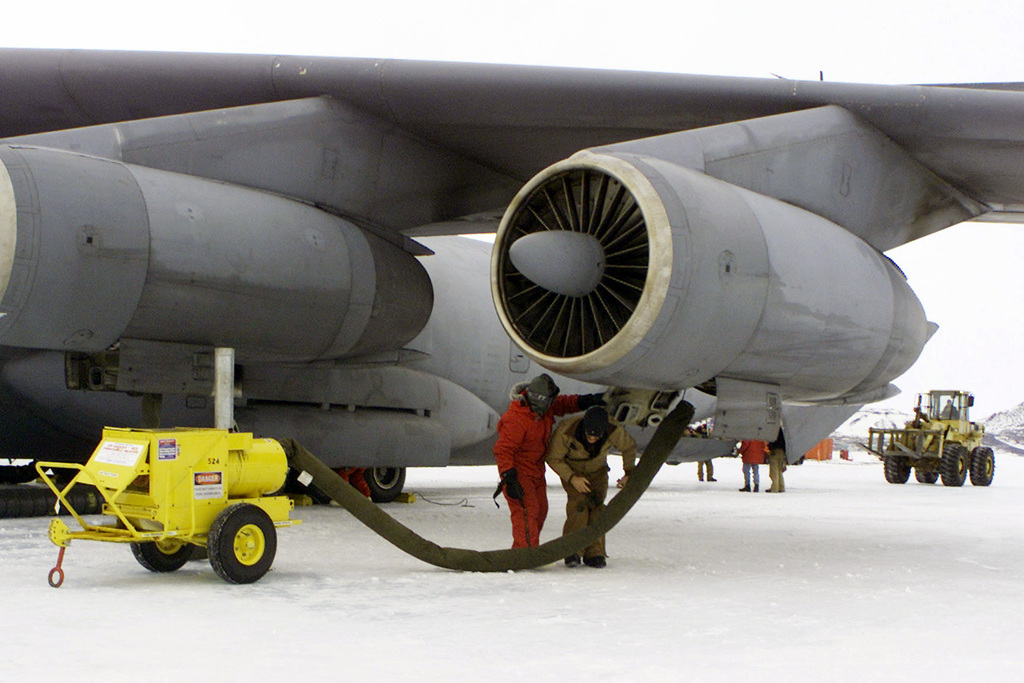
{"points": [[93, 250], [632, 271]]}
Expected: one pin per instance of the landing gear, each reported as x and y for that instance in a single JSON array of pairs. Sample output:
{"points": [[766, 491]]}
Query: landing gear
{"points": [[385, 483]]}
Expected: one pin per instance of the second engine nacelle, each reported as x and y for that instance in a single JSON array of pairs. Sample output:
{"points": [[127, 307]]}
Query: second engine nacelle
{"points": [[94, 250], [632, 271]]}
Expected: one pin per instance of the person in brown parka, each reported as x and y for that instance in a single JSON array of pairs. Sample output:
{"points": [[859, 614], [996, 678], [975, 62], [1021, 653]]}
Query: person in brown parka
{"points": [[578, 453]]}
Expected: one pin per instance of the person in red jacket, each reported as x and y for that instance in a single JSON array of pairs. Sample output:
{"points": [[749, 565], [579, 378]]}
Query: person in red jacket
{"points": [[752, 453], [523, 435], [356, 476]]}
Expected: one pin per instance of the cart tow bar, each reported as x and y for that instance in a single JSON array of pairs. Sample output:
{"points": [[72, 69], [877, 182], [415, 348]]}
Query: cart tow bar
{"points": [[57, 570]]}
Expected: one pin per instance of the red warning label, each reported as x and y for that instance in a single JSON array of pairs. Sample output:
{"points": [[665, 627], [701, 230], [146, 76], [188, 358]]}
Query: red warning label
{"points": [[208, 485]]}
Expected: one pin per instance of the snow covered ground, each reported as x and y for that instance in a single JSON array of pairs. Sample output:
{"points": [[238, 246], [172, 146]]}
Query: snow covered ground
{"points": [[842, 578]]}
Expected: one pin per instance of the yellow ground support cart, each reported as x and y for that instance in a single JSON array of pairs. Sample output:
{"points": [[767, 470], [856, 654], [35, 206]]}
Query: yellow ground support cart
{"points": [[171, 492]]}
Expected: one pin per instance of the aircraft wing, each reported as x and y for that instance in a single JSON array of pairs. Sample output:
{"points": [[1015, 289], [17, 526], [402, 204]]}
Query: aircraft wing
{"points": [[497, 126]]}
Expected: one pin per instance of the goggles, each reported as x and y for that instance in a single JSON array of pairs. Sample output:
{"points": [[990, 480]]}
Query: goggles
{"points": [[539, 402]]}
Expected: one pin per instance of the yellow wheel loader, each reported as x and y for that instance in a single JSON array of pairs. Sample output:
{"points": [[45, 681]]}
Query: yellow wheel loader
{"points": [[939, 442]]}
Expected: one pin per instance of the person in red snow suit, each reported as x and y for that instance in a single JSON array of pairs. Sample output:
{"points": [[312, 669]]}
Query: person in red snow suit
{"points": [[523, 435], [356, 476], [753, 454]]}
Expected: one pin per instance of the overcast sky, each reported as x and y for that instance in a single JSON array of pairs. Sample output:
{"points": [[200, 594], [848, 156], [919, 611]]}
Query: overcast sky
{"points": [[969, 277]]}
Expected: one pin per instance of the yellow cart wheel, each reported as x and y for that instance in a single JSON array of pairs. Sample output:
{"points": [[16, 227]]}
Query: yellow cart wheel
{"points": [[162, 556], [242, 543]]}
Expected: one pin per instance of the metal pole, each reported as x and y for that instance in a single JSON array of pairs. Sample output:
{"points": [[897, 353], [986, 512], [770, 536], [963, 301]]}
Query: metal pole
{"points": [[224, 388]]}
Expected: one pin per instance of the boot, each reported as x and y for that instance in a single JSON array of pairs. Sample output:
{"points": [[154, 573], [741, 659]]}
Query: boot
{"points": [[712, 479], [746, 489], [572, 561], [755, 488], [597, 562]]}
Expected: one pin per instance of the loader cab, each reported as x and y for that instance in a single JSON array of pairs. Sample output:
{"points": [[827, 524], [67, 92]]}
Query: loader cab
{"points": [[945, 405]]}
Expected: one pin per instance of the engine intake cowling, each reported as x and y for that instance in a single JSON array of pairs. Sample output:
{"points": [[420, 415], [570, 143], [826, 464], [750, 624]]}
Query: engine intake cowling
{"points": [[693, 278]]}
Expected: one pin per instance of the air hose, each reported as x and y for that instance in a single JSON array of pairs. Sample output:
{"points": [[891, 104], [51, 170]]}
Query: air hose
{"points": [[314, 473]]}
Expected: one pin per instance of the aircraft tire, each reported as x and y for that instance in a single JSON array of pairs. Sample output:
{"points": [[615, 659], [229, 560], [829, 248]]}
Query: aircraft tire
{"points": [[242, 543], [954, 465], [926, 477], [162, 556], [385, 483], [897, 469], [983, 466]]}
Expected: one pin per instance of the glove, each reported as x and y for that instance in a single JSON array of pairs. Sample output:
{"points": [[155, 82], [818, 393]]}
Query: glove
{"points": [[509, 482], [584, 401]]}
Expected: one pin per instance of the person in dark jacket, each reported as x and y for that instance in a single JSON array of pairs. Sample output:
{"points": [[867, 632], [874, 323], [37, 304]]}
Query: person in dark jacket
{"points": [[524, 431], [579, 456]]}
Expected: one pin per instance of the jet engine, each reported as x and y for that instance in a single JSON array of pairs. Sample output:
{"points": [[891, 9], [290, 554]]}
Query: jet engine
{"points": [[629, 270], [94, 250]]}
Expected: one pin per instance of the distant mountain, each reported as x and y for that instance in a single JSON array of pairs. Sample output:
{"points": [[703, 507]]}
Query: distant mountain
{"points": [[1003, 430], [852, 434], [1006, 429]]}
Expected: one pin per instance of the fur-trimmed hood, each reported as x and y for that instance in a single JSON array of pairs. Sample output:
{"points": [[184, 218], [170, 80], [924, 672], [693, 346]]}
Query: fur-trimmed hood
{"points": [[517, 391]]}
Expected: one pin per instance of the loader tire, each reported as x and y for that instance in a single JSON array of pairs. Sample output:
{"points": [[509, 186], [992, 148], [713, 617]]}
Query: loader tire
{"points": [[926, 477], [897, 469], [983, 466], [242, 543], [162, 556], [953, 465]]}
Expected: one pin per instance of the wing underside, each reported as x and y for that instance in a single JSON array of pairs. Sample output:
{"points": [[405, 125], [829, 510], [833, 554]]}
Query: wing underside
{"points": [[486, 129]]}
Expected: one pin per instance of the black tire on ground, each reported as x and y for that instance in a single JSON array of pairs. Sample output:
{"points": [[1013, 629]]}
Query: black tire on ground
{"points": [[953, 466], [13, 502], [85, 499], [42, 503], [983, 466], [242, 543], [897, 469], [385, 483], [162, 556], [926, 476]]}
